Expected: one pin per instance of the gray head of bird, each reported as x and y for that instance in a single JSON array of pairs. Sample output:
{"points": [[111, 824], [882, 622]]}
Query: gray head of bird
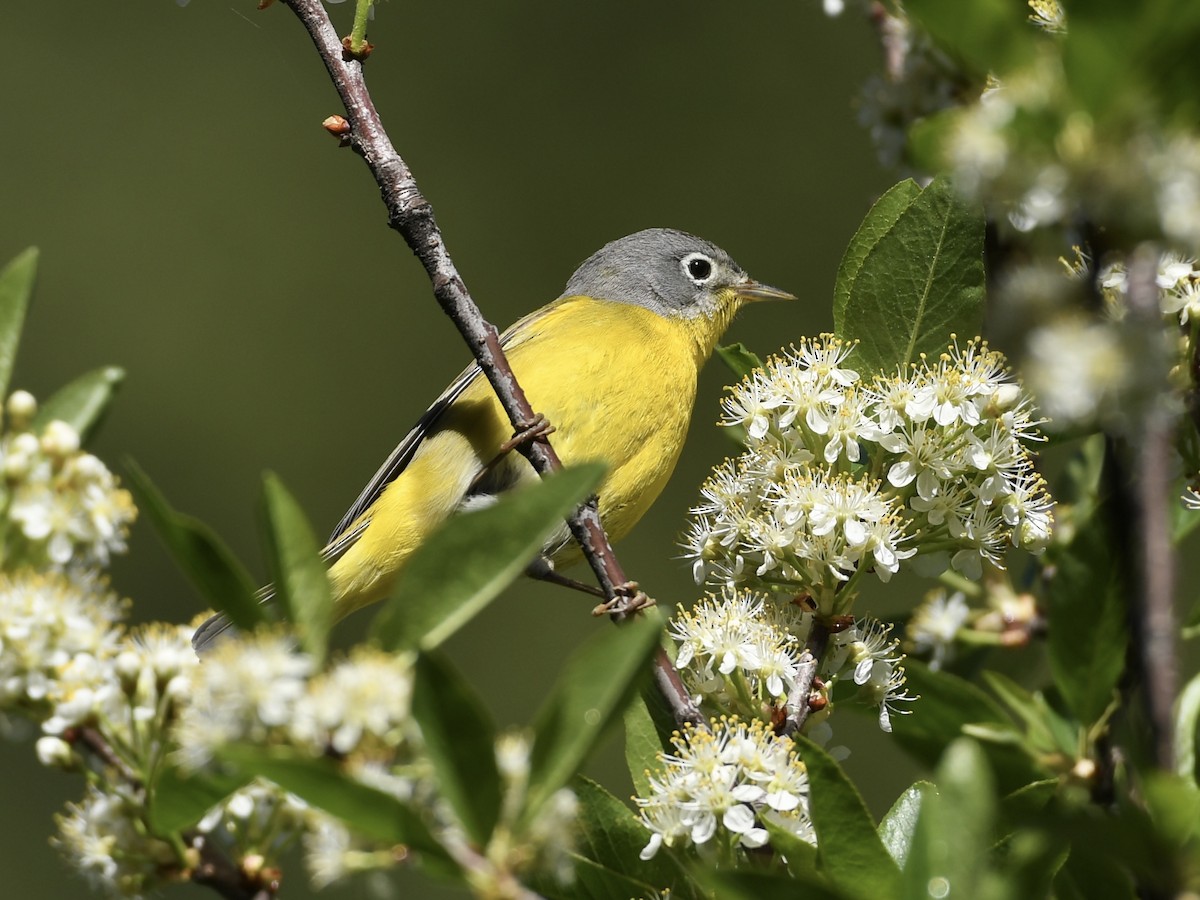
{"points": [[672, 273]]}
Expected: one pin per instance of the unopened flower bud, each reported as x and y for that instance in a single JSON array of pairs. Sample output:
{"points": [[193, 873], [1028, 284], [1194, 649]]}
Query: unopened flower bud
{"points": [[128, 666], [21, 408], [60, 439], [55, 753]]}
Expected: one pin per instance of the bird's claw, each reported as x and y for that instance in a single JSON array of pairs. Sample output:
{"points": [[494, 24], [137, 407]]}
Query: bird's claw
{"points": [[627, 599], [539, 428]]}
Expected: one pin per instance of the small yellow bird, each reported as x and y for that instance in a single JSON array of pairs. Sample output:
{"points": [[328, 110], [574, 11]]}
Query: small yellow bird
{"points": [[612, 364]]}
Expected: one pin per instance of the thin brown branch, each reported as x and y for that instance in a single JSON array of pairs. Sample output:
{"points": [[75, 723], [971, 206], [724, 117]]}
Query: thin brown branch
{"points": [[806, 674], [410, 214], [95, 743]]}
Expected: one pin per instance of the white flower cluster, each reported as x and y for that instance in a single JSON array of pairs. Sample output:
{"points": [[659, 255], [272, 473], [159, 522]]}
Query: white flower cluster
{"points": [[63, 502], [935, 625], [739, 651], [1066, 170], [261, 689], [724, 787], [66, 660], [260, 822], [103, 838], [100, 686], [1048, 15], [841, 477], [1177, 279], [868, 654], [47, 620], [1086, 370]]}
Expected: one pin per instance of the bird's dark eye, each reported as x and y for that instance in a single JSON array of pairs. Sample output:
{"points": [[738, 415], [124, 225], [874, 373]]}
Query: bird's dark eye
{"points": [[699, 268]]}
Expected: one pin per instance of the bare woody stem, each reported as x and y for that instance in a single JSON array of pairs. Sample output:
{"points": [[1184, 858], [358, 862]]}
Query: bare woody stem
{"points": [[1145, 493], [410, 214], [806, 675]]}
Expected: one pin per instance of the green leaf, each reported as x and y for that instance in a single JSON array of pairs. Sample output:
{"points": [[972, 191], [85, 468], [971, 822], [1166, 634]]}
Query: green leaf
{"points": [[930, 139], [297, 570], [1187, 721], [16, 287], [950, 707], [954, 831], [178, 800], [460, 741], [590, 693], [465, 564], [213, 569], [593, 881], [984, 35], [1085, 877], [740, 360], [373, 813], [919, 282], [1046, 731], [1029, 802], [878, 224], [1174, 805], [803, 859], [610, 835], [1087, 636], [648, 728], [1031, 860], [852, 855], [83, 402], [897, 827]]}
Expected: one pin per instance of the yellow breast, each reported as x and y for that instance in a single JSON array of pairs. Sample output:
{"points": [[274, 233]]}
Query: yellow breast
{"points": [[618, 382]]}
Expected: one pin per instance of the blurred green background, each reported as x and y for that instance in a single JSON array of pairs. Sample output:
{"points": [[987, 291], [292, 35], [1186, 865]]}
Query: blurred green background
{"points": [[198, 228]]}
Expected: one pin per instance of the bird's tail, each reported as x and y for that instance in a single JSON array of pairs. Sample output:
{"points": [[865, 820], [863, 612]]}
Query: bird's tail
{"points": [[214, 628]]}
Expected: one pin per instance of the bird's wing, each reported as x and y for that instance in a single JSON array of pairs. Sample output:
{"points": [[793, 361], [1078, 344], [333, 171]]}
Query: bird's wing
{"points": [[344, 536]]}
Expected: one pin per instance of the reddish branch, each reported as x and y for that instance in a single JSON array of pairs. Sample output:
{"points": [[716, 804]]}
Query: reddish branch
{"points": [[410, 214]]}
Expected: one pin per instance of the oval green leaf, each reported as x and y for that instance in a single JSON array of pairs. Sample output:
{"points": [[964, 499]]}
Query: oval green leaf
{"points": [[467, 562], [848, 845], [83, 402], [920, 281], [590, 693], [17, 280], [298, 572], [460, 739], [213, 570]]}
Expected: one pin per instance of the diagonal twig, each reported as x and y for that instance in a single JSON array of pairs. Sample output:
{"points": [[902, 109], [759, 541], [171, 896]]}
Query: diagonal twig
{"points": [[410, 214]]}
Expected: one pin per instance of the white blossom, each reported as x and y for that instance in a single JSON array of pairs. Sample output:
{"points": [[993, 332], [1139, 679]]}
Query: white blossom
{"points": [[849, 477], [729, 779]]}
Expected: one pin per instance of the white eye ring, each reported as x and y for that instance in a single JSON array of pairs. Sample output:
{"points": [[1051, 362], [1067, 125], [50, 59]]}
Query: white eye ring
{"points": [[698, 268]]}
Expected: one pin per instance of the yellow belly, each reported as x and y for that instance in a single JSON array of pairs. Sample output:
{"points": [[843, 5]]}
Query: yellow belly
{"points": [[618, 383]]}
